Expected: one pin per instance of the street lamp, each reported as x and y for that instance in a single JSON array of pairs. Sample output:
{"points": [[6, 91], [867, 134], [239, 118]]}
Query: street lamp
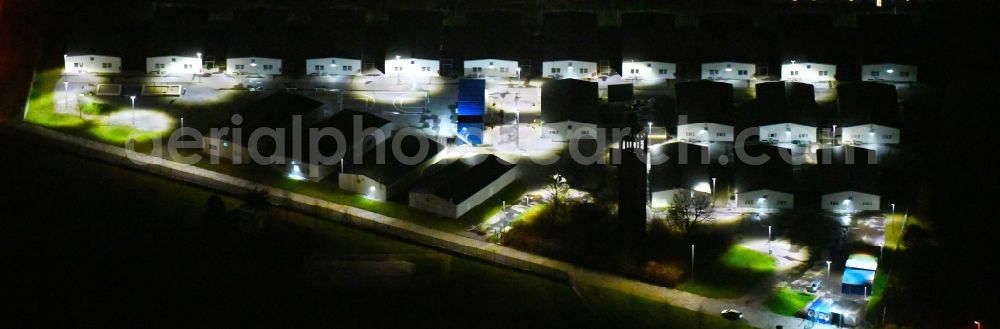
{"points": [[834, 135], [66, 97], [769, 239], [828, 270], [692, 263], [133, 109], [978, 326]]}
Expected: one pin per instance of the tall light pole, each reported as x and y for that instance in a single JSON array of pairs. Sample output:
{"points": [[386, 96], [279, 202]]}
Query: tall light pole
{"points": [[978, 325], [692, 263], [66, 97], [881, 246], [769, 239], [133, 110], [833, 135], [828, 270]]}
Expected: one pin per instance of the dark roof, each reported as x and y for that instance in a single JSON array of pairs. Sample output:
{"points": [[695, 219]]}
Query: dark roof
{"points": [[847, 168], [261, 32], [649, 37], [705, 101], [569, 99], [781, 101], [799, 34], [95, 42], [725, 37], [571, 36], [392, 168], [414, 34], [774, 174], [495, 34], [166, 37], [458, 180], [276, 111], [333, 33], [867, 102], [343, 122], [886, 38], [678, 165]]}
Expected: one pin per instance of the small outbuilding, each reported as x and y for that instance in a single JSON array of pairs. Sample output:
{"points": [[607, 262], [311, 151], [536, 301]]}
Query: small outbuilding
{"points": [[92, 64], [869, 113], [727, 71], [859, 275], [889, 72], [843, 313], [808, 72], [705, 111], [569, 109], [253, 66], [174, 64], [332, 66], [490, 68]]}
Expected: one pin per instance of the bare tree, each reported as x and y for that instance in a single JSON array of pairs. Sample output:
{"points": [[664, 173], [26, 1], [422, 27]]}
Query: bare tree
{"points": [[686, 212], [557, 189]]}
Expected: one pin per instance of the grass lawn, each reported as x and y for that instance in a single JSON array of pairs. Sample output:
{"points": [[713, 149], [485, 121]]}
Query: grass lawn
{"points": [[614, 309], [786, 301], [878, 290], [41, 110], [80, 226], [327, 190], [734, 274]]}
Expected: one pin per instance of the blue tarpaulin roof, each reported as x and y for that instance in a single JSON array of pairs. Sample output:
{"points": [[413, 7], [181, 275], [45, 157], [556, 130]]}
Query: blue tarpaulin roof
{"points": [[821, 305], [858, 277]]}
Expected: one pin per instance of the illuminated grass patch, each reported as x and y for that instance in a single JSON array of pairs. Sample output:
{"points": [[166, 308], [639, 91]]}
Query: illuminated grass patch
{"points": [[738, 271], [99, 120], [786, 301], [42, 103]]}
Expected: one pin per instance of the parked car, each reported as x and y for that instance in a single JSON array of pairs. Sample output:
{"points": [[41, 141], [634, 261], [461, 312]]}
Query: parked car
{"points": [[814, 286], [731, 314]]}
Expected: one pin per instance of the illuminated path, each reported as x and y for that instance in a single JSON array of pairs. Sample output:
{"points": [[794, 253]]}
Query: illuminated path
{"points": [[543, 266]]}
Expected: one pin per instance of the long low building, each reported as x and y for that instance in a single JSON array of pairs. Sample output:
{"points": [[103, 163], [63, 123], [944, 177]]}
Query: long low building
{"points": [[728, 71], [166, 65], [869, 134], [808, 72], [490, 68], [889, 72], [253, 65], [850, 202], [383, 177], [648, 70], [333, 66], [569, 69], [417, 67], [92, 64], [455, 188]]}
